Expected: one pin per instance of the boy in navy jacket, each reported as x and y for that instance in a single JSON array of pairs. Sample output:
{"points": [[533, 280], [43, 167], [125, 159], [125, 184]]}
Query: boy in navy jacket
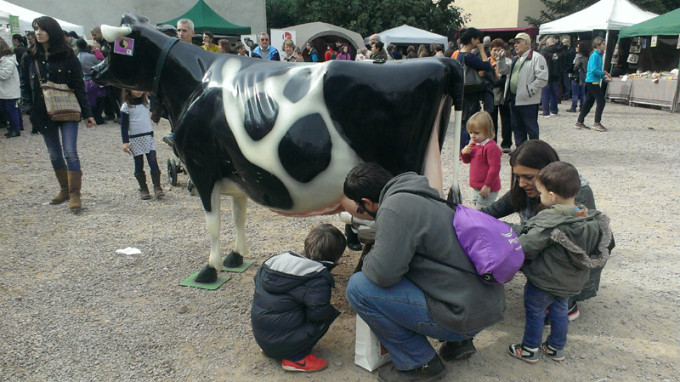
{"points": [[292, 303]]}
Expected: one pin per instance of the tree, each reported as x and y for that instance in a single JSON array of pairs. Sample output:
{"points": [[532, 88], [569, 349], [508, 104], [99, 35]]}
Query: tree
{"points": [[366, 18], [556, 9]]}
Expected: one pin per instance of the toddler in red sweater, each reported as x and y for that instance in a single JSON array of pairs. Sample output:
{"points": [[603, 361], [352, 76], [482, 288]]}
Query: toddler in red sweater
{"points": [[484, 157]]}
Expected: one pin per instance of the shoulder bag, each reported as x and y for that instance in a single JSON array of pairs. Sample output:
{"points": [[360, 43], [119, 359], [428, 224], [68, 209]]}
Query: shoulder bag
{"points": [[60, 100], [473, 83]]}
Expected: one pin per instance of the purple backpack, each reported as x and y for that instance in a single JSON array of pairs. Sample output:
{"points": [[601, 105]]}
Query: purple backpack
{"points": [[491, 245]]}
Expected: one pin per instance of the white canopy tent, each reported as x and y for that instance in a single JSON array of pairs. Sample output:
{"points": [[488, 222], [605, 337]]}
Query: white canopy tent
{"points": [[26, 17], [307, 32], [603, 15], [408, 35]]}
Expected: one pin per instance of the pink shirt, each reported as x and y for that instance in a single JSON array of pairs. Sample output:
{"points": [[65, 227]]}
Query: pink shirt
{"points": [[485, 165]]}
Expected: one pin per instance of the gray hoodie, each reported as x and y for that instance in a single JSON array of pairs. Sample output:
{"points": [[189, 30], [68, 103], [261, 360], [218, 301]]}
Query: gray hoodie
{"points": [[410, 231], [9, 78]]}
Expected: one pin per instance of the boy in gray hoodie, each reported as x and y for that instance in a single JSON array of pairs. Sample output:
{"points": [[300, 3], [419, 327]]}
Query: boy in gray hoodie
{"points": [[561, 244]]}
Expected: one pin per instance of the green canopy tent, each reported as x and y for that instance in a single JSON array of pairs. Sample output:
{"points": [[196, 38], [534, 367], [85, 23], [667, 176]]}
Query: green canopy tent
{"points": [[206, 19], [667, 24]]}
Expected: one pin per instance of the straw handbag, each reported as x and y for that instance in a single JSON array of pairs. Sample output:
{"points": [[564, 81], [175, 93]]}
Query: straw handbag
{"points": [[60, 100]]}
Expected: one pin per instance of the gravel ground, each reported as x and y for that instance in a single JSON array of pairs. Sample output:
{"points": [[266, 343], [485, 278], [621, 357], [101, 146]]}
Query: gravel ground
{"points": [[71, 309]]}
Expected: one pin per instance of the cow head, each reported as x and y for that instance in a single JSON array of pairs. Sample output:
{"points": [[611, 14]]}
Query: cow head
{"points": [[135, 49]]}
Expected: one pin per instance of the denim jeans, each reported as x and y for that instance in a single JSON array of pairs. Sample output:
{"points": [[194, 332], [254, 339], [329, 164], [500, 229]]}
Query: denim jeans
{"points": [[578, 93], [67, 148], [10, 109], [524, 121], [399, 317], [536, 301], [549, 97]]}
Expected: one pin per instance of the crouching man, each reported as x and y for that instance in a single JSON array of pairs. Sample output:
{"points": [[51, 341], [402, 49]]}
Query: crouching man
{"points": [[407, 289]]}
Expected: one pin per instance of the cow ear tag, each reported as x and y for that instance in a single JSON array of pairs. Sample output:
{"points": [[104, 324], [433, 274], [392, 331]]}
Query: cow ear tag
{"points": [[124, 46]]}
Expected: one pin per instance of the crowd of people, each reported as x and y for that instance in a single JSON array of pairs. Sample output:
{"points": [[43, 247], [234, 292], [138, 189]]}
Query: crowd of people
{"points": [[410, 286]]}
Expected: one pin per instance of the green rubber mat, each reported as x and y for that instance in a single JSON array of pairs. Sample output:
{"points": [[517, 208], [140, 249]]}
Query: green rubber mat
{"points": [[242, 268], [221, 279]]}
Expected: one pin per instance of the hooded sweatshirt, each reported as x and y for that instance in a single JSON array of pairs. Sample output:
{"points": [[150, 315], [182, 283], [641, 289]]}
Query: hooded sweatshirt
{"points": [[415, 239], [9, 78], [561, 247], [292, 304]]}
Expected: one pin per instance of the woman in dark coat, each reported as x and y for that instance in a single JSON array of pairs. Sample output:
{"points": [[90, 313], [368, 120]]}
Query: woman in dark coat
{"points": [[471, 39], [57, 63], [526, 161]]}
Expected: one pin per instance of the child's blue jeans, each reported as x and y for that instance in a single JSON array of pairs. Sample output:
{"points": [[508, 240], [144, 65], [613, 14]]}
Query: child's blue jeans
{"points": [[536, 301]]}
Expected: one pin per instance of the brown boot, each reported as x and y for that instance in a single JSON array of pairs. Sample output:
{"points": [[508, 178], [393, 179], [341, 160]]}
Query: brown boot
{"points": [[143, 189], [156, 179], [62, 177], [74, 181]]}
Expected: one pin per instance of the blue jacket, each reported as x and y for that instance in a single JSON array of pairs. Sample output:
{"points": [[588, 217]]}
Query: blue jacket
{"points": [[272, 56], [292, 304], [595, 71]]}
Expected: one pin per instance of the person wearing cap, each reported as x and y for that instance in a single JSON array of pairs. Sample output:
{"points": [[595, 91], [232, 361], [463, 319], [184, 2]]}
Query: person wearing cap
{"points": [[527, 76]]}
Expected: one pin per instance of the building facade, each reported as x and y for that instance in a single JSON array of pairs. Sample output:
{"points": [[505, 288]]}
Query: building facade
{"points": [[500, 13]]}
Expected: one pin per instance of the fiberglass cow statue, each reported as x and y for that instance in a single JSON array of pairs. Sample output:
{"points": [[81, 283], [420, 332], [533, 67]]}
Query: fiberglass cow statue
{"points": [[284, 135]]}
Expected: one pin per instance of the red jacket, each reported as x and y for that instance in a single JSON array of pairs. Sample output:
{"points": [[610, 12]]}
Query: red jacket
{"points": [[485, 165]]}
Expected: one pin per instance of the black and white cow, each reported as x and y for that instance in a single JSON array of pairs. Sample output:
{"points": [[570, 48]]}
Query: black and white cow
{"points": [[283, 134]]}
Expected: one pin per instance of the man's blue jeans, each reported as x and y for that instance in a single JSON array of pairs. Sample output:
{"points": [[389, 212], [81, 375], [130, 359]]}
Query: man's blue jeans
{"points": [[536, 301], [549, 97], [524, 120], [399, 317], [69, 140]]}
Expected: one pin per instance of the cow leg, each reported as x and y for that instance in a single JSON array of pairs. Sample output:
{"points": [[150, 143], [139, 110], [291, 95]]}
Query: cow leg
{"points": [[212, 219], [238, 208]]}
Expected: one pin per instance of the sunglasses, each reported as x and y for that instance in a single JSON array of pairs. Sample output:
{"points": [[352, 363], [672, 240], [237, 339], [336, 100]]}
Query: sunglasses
{"points": [[264, 39]]}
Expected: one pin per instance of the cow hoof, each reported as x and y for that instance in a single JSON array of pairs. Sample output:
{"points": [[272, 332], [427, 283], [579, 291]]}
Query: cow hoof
{"points": [[233, 260], [207, 275]]}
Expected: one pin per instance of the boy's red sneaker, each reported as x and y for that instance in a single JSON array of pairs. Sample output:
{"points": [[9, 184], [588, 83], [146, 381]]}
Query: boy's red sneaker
{"points": [[308, 364]]}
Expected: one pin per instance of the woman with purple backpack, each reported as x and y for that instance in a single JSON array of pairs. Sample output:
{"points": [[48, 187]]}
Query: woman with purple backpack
{"points": [[524, 199]]}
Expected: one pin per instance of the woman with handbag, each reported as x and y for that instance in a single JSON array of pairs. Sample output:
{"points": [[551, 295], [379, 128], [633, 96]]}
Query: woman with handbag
{"points": [[53, 88], [475, 86]]}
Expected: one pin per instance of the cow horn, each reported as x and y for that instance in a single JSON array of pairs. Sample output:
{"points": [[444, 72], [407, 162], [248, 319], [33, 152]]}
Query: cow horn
{"points": [[111, 33]]}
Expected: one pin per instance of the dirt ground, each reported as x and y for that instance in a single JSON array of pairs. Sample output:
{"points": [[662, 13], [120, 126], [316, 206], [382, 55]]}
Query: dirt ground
{"points": [[71, 309]]}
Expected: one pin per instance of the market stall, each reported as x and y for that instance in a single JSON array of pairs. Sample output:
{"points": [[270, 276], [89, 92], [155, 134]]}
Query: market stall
{"points": [[652, 49], [606, 17], [619, 90]]}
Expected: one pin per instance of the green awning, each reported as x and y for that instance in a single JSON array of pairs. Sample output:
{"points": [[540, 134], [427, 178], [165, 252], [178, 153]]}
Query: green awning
{"points": [[206, 19], [667, 24]]}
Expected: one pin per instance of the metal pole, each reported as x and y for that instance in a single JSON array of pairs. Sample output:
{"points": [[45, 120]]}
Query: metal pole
{"points": [[674, 106]]}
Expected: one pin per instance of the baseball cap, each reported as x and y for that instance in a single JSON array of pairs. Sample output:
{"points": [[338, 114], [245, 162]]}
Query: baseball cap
{"points": [[523, 36]]}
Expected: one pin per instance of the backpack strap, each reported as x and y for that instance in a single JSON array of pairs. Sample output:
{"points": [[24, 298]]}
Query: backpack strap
{"points": [[426, 195]]}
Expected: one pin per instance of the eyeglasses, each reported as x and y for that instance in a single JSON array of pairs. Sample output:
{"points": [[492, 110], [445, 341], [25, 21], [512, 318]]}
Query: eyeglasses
{"points": [[264, 39]]}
